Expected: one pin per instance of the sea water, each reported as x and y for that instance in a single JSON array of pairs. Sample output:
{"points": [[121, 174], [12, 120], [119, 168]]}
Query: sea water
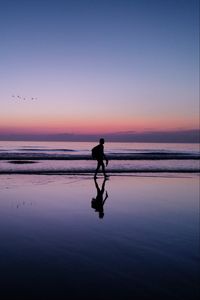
{"points": [[75, 157], [55, 245]]}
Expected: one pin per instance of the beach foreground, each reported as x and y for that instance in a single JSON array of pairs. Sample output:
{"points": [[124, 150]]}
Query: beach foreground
{"points": [[56, 243]]}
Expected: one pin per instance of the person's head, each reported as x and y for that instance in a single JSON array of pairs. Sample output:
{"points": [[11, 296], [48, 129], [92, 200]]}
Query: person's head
{"points": [[101, 141]]}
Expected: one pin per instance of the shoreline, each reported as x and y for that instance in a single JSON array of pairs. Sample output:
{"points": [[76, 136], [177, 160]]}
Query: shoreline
{"points": [[146, 156], [86, 172]]}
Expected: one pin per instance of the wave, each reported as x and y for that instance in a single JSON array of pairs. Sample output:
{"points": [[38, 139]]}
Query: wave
{"points": [[22, 150], [111, 156]]}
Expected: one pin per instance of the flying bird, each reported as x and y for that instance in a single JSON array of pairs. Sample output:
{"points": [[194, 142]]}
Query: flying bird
{"points": [[17, 97]]}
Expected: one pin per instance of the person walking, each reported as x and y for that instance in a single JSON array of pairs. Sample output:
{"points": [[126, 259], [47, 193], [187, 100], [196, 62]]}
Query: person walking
{"points": [[98, 154]]}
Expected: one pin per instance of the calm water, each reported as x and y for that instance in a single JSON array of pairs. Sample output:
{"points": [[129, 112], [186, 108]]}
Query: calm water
{"points": [[66, 157], [55, 246]]}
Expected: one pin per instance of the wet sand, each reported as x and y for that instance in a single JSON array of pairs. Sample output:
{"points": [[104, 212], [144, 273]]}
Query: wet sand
{"points": [[59, 242]]}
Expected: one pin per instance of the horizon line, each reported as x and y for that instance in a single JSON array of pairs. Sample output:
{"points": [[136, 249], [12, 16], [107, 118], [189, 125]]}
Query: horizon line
{"points": [[170, 136]]}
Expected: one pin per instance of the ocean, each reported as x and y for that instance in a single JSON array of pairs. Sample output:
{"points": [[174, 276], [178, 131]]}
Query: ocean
{"points": [[65, 235], [75, 157]]}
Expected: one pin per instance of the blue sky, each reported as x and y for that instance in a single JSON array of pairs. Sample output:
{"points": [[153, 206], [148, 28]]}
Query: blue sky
{"points": [[99, 65]]}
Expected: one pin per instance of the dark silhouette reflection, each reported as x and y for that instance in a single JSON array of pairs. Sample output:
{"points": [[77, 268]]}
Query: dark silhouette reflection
{"points": [[98, 202]]}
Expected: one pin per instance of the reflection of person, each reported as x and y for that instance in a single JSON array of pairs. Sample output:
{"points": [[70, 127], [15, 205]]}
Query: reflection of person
{"points": [[98, 202], [100, 156]]}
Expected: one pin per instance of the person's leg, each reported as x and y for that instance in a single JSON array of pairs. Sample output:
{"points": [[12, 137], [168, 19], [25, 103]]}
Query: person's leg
{"points": [[103, 168], [96, 184], [103, 186], [97, 169], [104, 171]]}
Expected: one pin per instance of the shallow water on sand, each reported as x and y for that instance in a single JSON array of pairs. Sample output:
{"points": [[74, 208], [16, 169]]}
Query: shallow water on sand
{"points": [[144, 246]]}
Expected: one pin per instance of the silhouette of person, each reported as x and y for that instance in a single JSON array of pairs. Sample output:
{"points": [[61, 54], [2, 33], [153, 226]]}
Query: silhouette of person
{"points": [[98, 202], [100, 156]]}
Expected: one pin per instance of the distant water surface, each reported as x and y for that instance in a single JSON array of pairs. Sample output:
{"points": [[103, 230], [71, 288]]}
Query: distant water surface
{"points": [[76, 157]]}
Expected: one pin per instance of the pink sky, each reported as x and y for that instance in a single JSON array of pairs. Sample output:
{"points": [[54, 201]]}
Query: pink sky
{"points": [[92, 73], [52, 124]]}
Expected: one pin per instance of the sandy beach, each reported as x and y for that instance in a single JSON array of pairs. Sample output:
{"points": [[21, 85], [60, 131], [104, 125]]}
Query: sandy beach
{"points": [[55, 244]]}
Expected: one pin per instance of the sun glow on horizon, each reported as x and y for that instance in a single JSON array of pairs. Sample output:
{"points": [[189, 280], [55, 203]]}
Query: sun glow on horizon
{"points": [[59, 126]]}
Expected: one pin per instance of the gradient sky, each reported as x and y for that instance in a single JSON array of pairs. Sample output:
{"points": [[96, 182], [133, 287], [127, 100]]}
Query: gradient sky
{"points": [[98, 66]]}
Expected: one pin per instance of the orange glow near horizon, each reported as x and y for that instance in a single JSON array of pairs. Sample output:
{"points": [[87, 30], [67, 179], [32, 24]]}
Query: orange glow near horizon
{"points": [[56, 125]]}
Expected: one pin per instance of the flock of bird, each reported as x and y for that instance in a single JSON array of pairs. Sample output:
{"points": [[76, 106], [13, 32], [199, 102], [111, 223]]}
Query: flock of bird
{"points": [[17, 97]]}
